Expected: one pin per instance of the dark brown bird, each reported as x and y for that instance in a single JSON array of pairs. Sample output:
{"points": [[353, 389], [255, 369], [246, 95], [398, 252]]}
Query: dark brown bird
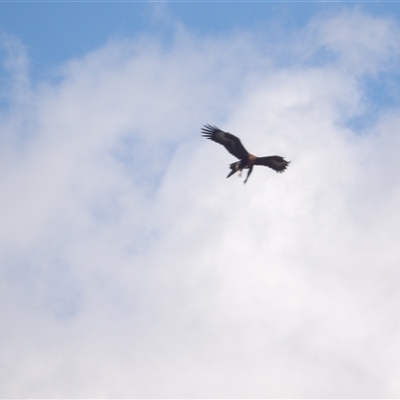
{"points": [[235, 147]]}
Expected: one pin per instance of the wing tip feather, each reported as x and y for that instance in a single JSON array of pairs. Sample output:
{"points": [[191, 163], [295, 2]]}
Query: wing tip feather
{"points": [[208, 130]]}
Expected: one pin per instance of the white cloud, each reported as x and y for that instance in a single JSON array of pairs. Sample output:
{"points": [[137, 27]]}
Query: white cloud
{"points": [[132, 268], [357, 44]]}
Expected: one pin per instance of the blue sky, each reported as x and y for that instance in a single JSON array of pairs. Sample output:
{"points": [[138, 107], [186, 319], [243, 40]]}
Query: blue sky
{"points": [[131, 267], [56, 31]]}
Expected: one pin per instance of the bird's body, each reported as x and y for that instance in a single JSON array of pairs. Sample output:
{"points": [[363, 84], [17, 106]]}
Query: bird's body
{"points": [[235, 147]]}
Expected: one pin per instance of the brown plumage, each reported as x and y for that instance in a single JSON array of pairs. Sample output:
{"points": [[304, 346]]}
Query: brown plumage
{"points": [[235, 147]]}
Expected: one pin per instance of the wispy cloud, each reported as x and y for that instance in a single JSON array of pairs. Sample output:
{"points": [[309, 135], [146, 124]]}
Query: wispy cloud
{"points": [[132, 268]]}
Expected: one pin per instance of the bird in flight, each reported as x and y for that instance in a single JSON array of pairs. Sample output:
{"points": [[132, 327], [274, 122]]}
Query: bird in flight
{"points": [[235, 147]]}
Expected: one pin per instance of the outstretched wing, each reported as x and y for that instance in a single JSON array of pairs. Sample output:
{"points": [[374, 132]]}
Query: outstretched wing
{"points": [[229, 141], [278, 163]]}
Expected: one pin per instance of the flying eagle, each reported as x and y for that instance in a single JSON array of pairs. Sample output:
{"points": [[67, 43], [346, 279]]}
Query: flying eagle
{"points": [[235, 147]]}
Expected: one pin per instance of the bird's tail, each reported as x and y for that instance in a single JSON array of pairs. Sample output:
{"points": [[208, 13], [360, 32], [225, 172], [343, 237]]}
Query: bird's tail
{"points": [[234, 168]]}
